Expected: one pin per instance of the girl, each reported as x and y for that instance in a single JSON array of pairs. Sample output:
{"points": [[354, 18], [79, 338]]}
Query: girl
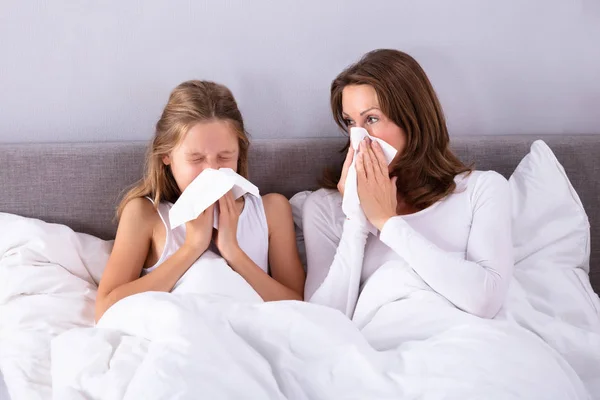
{"points": [[451, 225], [201, 127]]}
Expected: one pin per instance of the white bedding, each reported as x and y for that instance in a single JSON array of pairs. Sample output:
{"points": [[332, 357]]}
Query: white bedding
{"points": [[214, 338], [48, 281], [3, 389]]}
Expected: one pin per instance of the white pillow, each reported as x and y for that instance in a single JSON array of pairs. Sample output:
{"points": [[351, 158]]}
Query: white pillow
{"points": [[551, 236], [551, 294]]}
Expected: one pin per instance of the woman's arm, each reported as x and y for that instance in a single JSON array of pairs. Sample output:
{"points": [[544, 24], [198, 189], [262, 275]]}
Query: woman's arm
{"points": [[121, 277], [478, 284], [287, 281], [334, 258]]}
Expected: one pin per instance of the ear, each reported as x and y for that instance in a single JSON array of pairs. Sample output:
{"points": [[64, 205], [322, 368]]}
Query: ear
{"points": [[166, 160]]}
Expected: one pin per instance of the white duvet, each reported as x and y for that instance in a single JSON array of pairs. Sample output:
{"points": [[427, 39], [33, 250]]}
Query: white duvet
{"points": [[213, 338]]}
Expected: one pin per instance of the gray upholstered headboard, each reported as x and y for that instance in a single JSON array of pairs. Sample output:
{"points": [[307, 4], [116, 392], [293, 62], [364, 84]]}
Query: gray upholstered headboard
{"points": [[79, 184]]}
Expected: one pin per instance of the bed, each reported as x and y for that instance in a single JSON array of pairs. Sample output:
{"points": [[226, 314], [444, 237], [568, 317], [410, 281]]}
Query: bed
{"points": [[70, 190]]}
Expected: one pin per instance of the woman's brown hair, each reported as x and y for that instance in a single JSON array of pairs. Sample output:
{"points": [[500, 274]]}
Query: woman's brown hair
{"points": [[189, 103], [427, 167]]}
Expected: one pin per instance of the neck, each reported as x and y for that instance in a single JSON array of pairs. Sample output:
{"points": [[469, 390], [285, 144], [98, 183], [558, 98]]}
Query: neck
{"points": [[404, 208]]}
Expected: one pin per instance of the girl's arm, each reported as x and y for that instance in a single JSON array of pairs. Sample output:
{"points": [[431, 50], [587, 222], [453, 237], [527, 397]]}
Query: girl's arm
{"points": [[287, 281], [121, 277]]}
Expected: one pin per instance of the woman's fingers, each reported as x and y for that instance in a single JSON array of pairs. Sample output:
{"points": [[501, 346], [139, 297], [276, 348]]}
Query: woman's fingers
{"points": [[349, 158], [360, 163], [368, 159], [380, 156]]}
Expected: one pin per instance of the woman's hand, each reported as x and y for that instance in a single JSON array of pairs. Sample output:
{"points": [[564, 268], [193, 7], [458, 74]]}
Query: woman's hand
{"points": [[376, 191], [347, 163], [198, 232], [226, 239]]}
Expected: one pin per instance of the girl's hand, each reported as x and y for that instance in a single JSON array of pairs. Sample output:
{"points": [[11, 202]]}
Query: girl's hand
{"points": [[226, 239], [198, 232], [347, 163], [376, 191]]}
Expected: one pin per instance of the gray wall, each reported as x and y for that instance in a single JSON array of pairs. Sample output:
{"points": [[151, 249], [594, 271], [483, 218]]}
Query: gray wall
{"points": [[89, 70]]}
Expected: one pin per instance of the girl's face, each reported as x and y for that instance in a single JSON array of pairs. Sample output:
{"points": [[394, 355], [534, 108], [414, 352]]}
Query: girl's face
{"points": [[213, 144], [360, 108]]}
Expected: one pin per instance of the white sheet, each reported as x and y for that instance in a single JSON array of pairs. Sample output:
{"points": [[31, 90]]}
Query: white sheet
{"points": [[48, 281], [206, 344], [3, 389], [214, 338]]}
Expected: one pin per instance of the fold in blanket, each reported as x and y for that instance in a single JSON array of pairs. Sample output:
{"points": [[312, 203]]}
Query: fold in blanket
{"points": [[406, 342], [213, 337]]}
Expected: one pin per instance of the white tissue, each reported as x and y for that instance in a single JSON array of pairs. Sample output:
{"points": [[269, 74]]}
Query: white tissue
{"points": [[206, 189], [350, 202]]}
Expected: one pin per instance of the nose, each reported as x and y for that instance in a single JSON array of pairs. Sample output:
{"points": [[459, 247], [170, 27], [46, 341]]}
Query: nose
{"points": [[365, 127], [213, 164]]}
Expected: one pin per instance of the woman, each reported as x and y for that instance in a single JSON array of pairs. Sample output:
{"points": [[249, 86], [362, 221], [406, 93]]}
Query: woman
{"points": [[450, 224]]}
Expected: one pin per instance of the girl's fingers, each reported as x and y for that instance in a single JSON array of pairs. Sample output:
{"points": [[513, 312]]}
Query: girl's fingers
{"points": [[230, 201], [223, 208]]}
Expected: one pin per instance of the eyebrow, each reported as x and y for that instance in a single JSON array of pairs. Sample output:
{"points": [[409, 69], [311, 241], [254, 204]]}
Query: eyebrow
{"points": [[367, 110], [197, 153], [364, 112]]}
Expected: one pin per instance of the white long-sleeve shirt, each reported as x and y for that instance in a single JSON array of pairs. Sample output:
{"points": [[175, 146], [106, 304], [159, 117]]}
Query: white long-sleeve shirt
{"points": [[461, 246]]}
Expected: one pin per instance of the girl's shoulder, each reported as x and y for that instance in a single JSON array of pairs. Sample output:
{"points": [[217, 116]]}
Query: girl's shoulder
{"points": [[276, 204], [140, 213], [278, 212]]}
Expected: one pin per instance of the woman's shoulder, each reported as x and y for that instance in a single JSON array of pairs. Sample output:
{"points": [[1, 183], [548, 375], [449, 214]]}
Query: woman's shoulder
{"points": [[324, 205], [482, 185], [480, 179], [328, 196], [323, 199]]}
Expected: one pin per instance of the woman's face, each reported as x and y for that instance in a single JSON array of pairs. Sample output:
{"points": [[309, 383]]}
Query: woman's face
{"points": [[212, 144], [360, 108]]}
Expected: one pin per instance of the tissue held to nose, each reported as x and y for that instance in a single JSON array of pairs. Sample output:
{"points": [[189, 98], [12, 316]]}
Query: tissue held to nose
{"points": [[206, 189], [350, 202], [358, 134]]}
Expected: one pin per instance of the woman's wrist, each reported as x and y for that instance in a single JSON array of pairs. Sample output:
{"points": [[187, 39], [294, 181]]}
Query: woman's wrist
{"points": [[379, 223]]}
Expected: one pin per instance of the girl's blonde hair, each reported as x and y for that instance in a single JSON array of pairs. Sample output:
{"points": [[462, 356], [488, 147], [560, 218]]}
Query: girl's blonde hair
{"points": [[190, 102]]}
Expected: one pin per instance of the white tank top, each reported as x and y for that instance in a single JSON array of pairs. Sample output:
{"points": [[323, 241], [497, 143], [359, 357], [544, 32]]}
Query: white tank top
{"points": [[252, 233]]}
